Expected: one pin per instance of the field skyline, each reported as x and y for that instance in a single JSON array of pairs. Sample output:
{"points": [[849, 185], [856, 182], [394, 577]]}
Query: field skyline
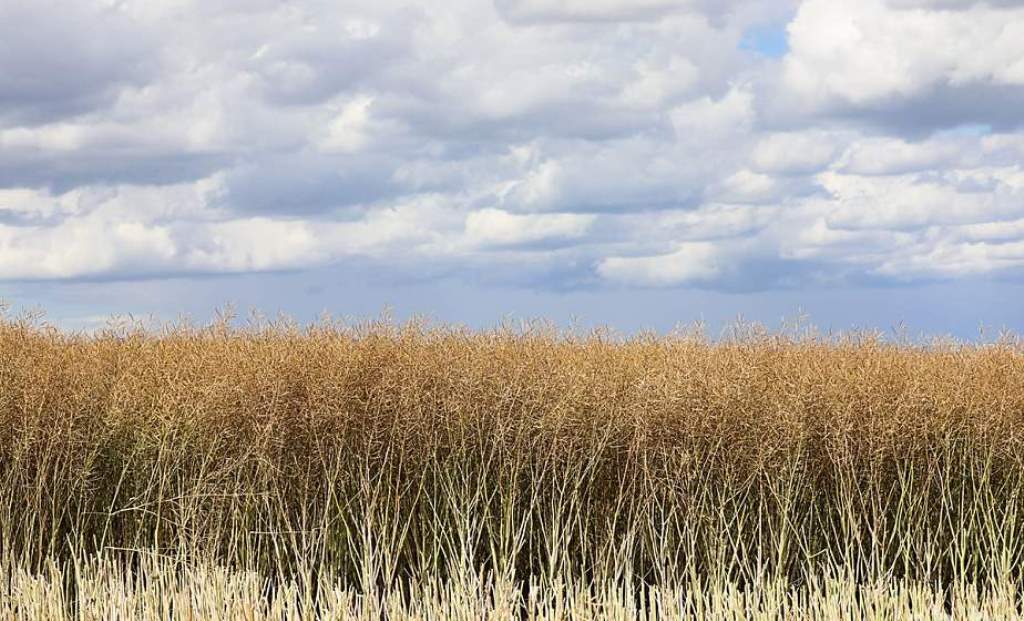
{"points": [[789, 323]]}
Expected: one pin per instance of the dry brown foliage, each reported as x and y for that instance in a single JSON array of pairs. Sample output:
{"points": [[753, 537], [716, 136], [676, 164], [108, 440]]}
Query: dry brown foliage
{"points": [[379, 455]]}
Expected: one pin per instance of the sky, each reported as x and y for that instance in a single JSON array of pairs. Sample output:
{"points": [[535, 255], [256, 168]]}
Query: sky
{"points": [[631, 163]]}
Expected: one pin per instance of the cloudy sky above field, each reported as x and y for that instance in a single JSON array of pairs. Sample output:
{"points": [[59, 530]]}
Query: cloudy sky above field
{"points": [[633, 162]]}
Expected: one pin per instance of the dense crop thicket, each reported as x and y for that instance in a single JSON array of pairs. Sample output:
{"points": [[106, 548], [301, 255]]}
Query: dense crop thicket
{"points": [[526, 473]]}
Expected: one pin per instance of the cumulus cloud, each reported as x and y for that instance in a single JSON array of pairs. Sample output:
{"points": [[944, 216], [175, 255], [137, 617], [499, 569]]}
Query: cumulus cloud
{"points": [[53, 68], [546, 143], [894, 156], [691, 262], [793, 153], [909, 201], [904, 64], [497, 227]]}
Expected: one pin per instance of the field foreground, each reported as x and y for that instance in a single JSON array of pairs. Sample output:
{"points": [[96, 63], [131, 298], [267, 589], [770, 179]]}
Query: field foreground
{"points": [[381, 471]]}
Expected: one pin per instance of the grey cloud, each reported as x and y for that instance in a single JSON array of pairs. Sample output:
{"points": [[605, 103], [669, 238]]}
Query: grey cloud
{"points": [[306, 183], [60, 59], [947, 105], [68, 171], [915, 117]]}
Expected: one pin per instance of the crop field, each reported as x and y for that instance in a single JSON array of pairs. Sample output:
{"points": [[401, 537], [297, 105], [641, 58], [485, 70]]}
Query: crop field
{"points": [[383, 471]]}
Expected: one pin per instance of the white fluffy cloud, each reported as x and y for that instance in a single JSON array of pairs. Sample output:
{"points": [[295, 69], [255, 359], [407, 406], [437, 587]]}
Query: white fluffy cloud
{"points": [[793, 153], [548, 142], [494, 226], [871, 56], [691, 262]]}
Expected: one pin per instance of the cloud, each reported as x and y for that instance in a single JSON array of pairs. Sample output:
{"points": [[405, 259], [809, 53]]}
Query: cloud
{"points": [[894, 156], [586, 10], [315, 54], [304, 183], [79, 248], [745, 186], [704, 117], [550, 144], [59, 60], [952, 4], [901, 65], [497, 227], [348, 131], [911, 201], [793, 153], [954, 260], [133, 231], [692, 262], [612, 176]]}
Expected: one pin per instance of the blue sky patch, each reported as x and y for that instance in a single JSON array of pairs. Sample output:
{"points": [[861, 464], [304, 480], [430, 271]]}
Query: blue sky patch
{"points": [[767, 40]]}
